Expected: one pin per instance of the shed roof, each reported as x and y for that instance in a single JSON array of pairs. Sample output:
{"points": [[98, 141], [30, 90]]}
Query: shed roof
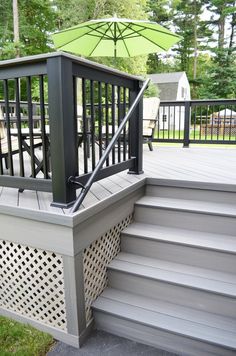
{"points": [[173, 77]]}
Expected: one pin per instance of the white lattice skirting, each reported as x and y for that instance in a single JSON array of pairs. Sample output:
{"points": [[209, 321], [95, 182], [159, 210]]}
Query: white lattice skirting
{"points": [[96, 259], [32, 281], [32, 284]]}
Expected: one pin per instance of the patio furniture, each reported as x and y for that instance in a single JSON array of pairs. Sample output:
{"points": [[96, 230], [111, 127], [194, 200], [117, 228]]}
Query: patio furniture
{"points": [[150, 111], [8, 148]]}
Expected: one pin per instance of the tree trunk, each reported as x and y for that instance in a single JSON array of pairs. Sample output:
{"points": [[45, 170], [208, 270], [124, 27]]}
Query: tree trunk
{"points": [[221, 26], [233, 24], [195, 42], [16, 27]]}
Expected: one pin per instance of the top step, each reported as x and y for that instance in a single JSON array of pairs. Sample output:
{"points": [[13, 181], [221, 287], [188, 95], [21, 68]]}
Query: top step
{"points": [[198, 206], [211, 192]]}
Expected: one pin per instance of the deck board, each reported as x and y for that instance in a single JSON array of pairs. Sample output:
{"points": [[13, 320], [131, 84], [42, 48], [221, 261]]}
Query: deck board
{"points": [[194, 164]]}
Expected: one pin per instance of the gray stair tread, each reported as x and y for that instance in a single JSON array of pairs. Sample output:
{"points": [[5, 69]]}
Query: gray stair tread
{"points": [[172, 317], [225, 243], [188, 205], [176, 273]]}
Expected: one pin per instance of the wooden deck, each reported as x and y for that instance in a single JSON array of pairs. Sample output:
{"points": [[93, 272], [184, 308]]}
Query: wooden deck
{"points": [[194, 164]]}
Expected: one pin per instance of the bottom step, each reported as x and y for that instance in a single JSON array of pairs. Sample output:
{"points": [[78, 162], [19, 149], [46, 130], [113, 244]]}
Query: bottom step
{"points": [[165, 325]]}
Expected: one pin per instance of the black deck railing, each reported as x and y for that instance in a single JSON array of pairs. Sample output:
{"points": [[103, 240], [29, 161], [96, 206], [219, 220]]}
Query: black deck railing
{"points": [[197, 121], [70, 109], [105, 156]]}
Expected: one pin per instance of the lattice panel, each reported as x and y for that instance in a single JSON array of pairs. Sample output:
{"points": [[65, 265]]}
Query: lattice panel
{"points": [[220, 131], [96, 259], [32, 284]]}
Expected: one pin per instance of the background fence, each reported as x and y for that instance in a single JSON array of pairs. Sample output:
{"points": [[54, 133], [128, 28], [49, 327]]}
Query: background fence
{"points": [[197, 121]]}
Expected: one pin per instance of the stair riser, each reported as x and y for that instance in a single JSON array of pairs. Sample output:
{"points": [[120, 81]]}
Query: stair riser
{"points": [[193, 194], [168, 292], [157, 337], [194, 256], [185, 220]]}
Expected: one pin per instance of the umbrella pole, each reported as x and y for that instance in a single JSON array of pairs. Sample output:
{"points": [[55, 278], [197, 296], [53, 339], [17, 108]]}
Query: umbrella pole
{"points": [[115, 41], [114, 61]]}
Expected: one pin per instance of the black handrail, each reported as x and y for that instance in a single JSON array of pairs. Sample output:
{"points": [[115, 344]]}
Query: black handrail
{"points": [[85, 189]]}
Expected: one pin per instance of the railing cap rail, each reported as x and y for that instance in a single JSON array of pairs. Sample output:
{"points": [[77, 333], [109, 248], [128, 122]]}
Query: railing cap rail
{"points": [[73, 58]]}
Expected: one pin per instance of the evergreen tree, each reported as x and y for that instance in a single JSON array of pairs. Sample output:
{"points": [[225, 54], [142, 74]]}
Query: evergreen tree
{"points": [[187, 19], [160, 12], [220, 81], [221, 11]]}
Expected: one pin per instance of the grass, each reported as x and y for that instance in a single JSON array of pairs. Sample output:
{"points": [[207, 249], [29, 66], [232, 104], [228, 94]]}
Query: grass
{"points": [[22, 340], [180, 135]]}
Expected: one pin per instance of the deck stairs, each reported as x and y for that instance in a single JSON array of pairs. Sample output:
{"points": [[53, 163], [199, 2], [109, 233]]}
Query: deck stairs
{"points": [[173, 285]]}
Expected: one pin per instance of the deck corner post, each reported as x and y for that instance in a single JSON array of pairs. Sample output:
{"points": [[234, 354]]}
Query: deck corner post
{"points": [[74, 296], [63, 131], [187, 118], [136, 131]]}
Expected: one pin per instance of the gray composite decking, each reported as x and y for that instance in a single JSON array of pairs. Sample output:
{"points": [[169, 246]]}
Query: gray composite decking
{"points": [[193, 164]]}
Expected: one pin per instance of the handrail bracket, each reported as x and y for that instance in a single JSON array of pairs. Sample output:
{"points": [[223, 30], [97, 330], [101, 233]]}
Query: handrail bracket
{"points": [[73, 180]]}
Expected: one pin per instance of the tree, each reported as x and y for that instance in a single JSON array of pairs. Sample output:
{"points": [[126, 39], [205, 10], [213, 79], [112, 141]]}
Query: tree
{"points": [[36, 21], [221, 10], [220, 78], [16, 26], [160, 12], [6, 33], [189, 25], [70, 13]]}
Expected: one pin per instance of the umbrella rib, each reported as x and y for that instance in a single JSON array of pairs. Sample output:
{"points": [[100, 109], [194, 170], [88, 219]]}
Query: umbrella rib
{"points": [[121, 32], [151, 41], [84, 34], [77, 27], [108, 28], [155, 30], [102, 33], [135, 31], [122, 40]]}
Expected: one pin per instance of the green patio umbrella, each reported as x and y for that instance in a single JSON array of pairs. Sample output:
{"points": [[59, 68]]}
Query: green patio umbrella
{"points": [[116, 37]]}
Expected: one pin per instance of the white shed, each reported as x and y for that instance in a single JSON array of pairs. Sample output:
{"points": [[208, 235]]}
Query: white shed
{"points": [[173, 87]]}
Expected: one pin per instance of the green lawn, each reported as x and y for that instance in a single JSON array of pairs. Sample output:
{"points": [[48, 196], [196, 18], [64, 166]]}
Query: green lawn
{"points": [[22, 340], [180, 135]]}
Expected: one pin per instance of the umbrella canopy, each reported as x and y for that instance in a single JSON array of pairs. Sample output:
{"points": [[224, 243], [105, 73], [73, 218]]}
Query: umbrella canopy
{"points": [[115, 37]]}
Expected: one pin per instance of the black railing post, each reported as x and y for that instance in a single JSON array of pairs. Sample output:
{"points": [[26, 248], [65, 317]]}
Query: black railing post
{"points": [[136, 131], [187, 118], [63, 131]]}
